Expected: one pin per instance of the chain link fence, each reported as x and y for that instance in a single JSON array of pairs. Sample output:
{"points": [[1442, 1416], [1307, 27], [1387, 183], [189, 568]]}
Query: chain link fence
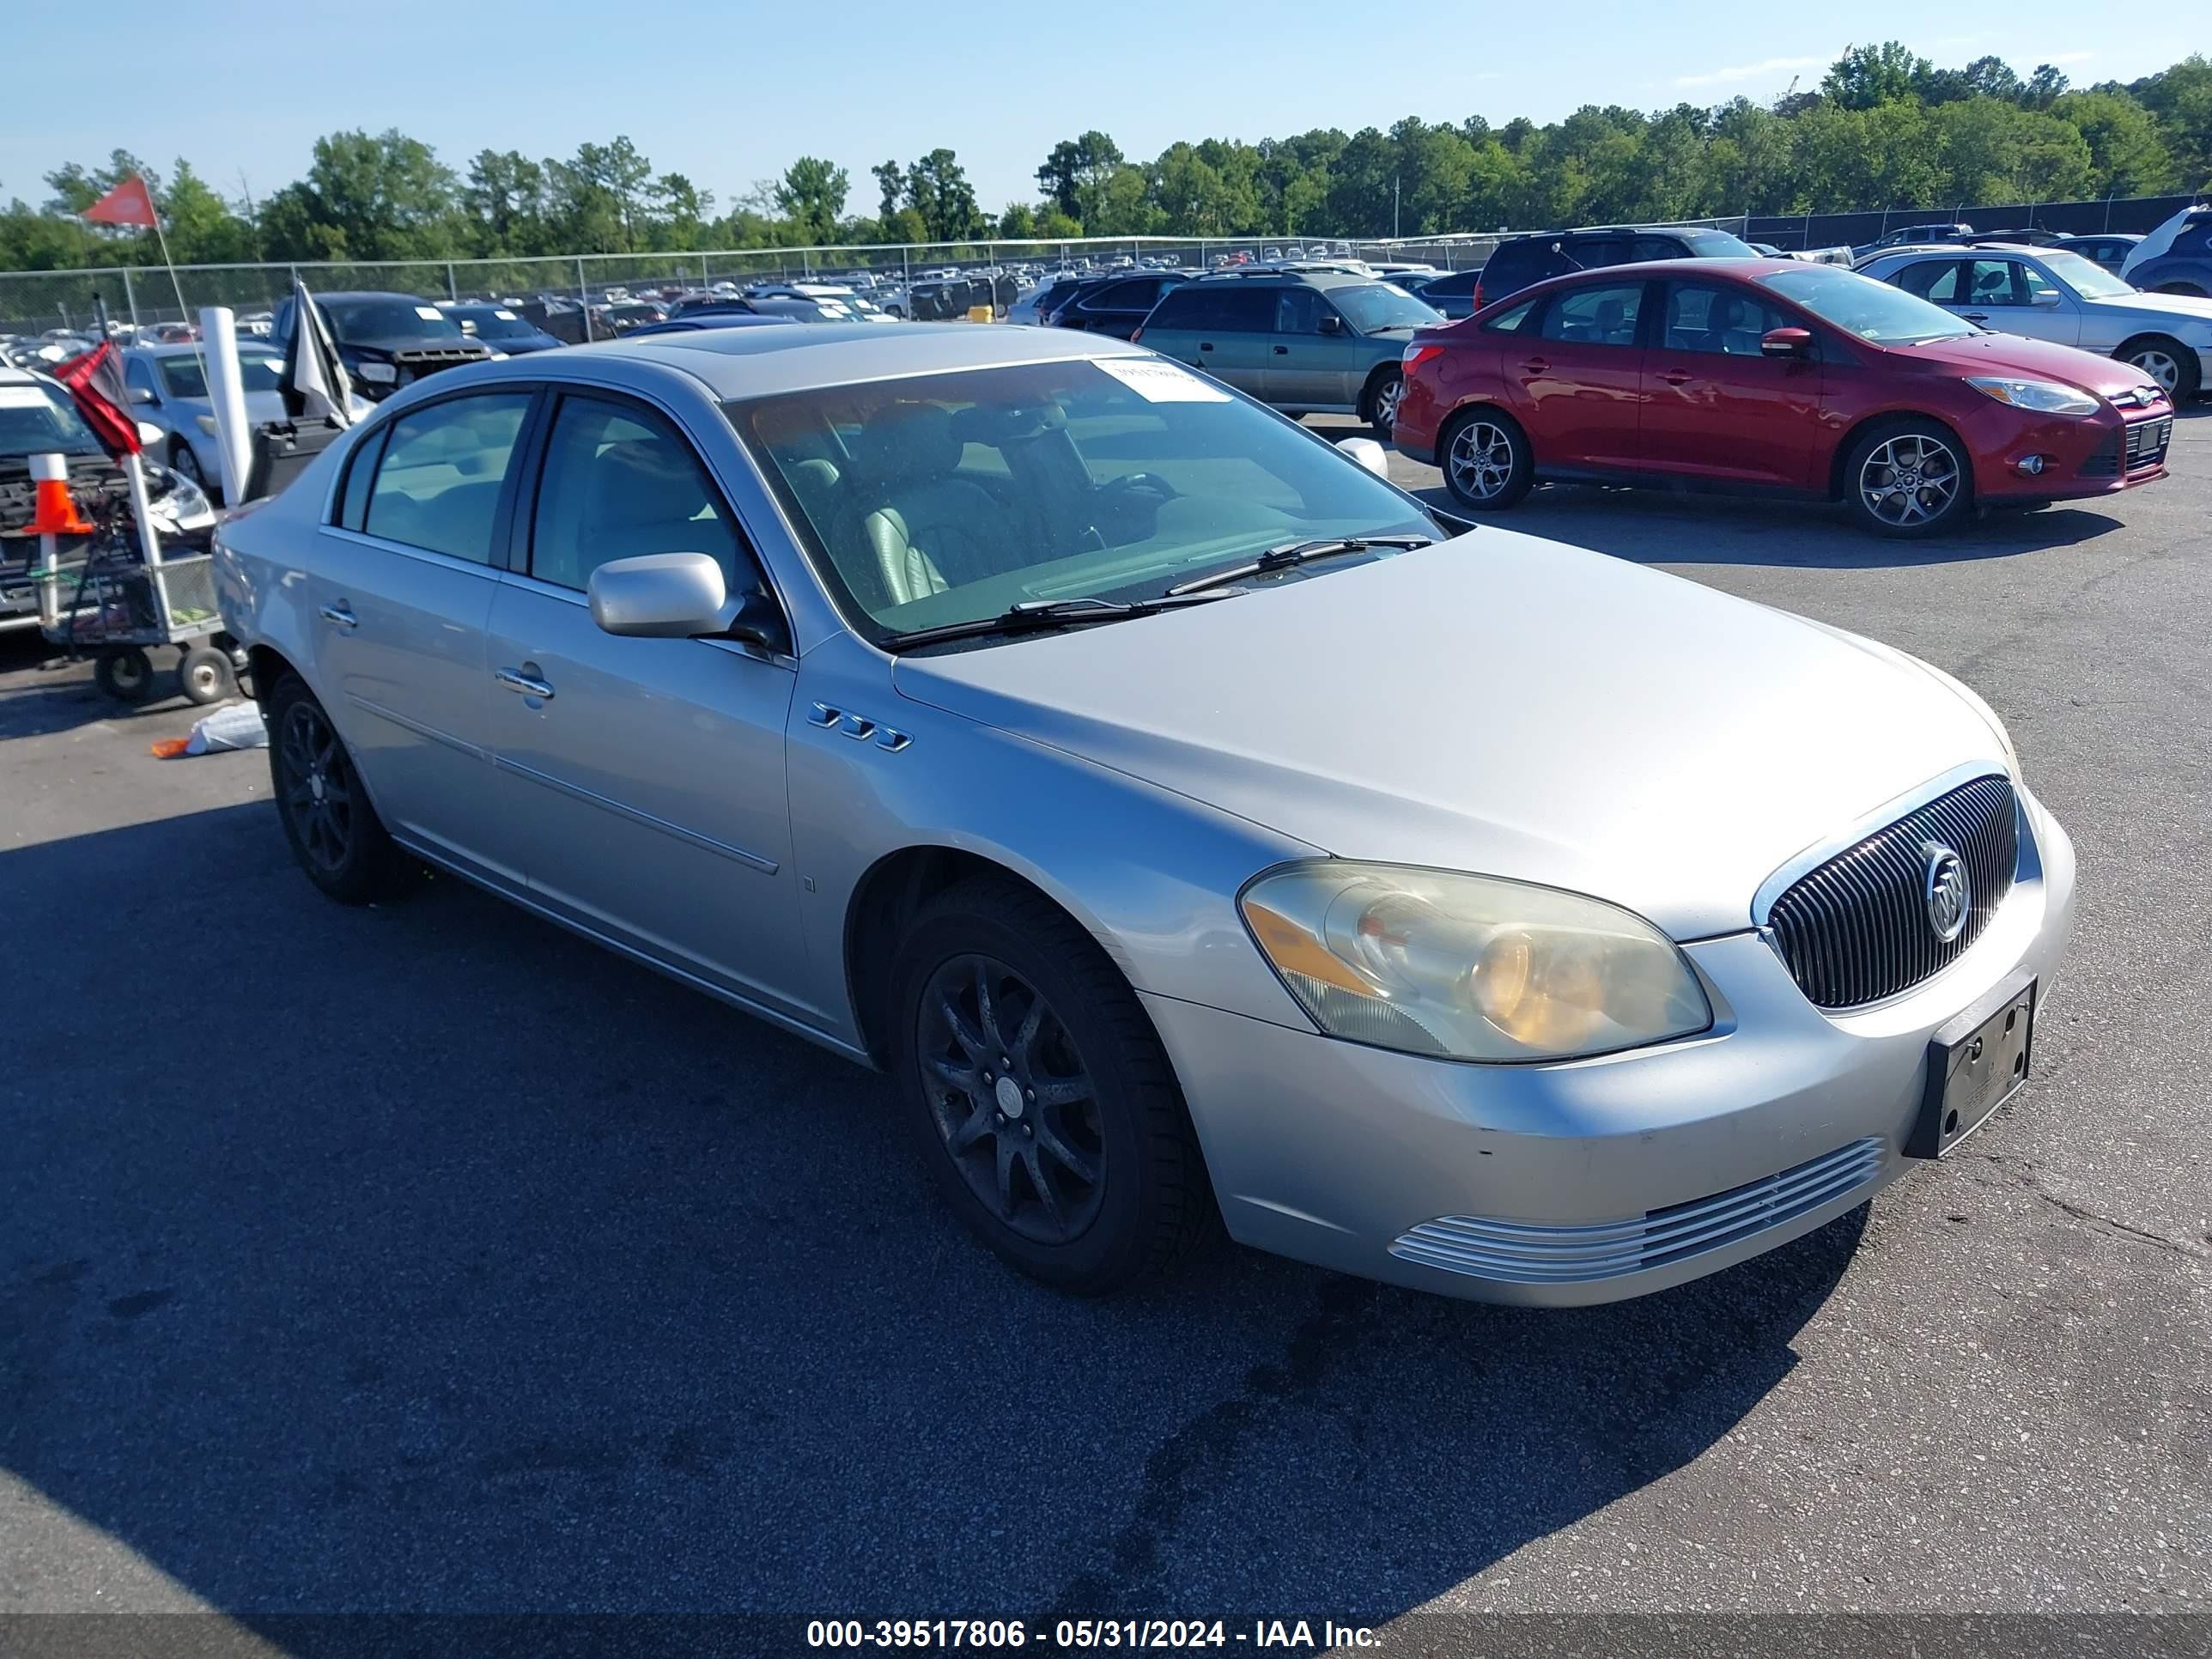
{"points": [[35, 302]]}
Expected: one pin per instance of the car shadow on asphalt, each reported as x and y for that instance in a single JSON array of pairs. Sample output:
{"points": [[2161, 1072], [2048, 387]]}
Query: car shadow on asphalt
{"points": [[1654, 526], [424, 1257]]}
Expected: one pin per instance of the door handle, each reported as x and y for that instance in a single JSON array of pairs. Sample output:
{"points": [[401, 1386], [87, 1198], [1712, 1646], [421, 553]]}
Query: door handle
{"points": [[1677, 376], [1975, 316], [1282, 351], [1206, 345], [1535, 366], [341, 615], [528, 683]]}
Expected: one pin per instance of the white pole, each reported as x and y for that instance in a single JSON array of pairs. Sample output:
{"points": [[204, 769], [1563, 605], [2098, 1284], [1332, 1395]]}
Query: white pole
{"points": [[50, 469], [227, 393], [142, 508]]}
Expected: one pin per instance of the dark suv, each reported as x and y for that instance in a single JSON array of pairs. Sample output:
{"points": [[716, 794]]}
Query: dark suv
{"points": [[1523, 261], [1114, 306], [386, 340], [1308, 342]]}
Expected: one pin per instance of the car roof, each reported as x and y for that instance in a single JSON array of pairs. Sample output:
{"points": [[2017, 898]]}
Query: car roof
{"points": [[746, 362], [190, 348]]}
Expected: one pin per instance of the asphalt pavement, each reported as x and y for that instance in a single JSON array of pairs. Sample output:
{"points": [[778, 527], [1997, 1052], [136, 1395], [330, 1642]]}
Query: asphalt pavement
{"points": [[424, 1257]]}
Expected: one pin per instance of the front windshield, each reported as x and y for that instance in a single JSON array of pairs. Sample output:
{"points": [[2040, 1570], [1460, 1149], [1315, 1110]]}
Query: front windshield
{"points": [[2086, 278], [38, 419], [1859, 305], [1372, 306], [1718, 245], [951, 498], [387, 319], [257, 371]]}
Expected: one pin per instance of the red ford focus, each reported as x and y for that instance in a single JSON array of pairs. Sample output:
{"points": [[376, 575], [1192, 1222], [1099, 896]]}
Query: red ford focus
{"points": [[1775, 377]]}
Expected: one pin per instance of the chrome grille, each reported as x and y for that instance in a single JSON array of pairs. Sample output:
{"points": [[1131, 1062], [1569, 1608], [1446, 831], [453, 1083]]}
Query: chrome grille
{"points": [[1524, 1253], [1856, 929]]}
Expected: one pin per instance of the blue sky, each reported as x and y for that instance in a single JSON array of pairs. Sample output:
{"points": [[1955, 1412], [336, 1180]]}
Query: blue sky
{"points": [[730, 94]]}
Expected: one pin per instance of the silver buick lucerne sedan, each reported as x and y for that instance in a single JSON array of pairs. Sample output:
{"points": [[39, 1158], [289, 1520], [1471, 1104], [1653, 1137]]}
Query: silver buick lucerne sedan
{"points": [[1192, 822]]}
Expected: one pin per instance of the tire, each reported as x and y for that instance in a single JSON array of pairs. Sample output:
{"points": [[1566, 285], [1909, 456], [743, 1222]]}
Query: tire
{"points": [[2188, 289], [1910, 449], [182, 459], [125, 674], [345, 850], [1486, 461], [2166, 361], [1149, 1203], [1378, 403], [206, 676]]}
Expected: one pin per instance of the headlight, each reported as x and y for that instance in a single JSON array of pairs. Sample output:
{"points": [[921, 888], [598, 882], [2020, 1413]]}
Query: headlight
{"points": [[2044, 396], [379, 373], [206, 423], [184, 500], [1468, 967]]}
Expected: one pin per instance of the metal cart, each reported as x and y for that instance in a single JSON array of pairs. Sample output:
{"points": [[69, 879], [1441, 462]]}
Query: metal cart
{"points": [[117, 604]]}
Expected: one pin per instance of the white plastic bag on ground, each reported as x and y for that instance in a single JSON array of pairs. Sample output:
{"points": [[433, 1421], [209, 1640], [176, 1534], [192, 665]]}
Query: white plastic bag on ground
{"points": [[234, 726]]}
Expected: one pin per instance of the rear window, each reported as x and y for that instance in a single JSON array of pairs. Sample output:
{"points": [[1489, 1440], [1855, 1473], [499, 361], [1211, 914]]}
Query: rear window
{"points": [[1223, 307], [1517, 264], [1718, 245]]}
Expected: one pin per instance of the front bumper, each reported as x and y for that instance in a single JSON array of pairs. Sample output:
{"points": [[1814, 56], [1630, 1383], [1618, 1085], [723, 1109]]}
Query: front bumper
{"points": [[1716, 1149]]}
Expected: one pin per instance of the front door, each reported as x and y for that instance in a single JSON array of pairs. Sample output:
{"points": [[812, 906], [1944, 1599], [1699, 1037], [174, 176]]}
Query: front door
{"points": [[1576, 381], [2013, 297], [1314, 353], [643, 778], [401, 587], [1715, 406]]}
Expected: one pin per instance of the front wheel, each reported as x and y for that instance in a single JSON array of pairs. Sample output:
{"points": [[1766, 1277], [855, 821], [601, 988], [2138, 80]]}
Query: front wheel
{"points": [[1908, 480], [1383, 396], [207, 676], [1044, 1102], [182, 460], [1486, 462], [126, 673]]}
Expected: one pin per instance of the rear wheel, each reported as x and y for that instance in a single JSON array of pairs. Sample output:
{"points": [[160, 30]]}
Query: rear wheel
{"points": [[125, 674], [335, 833], [1042, 1100], [1908, 479], [206, 674], [2168, 362], [1487, 466]]}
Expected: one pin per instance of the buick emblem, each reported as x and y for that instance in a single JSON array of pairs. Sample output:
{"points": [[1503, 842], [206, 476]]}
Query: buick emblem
{"points": [[1949, 894]]}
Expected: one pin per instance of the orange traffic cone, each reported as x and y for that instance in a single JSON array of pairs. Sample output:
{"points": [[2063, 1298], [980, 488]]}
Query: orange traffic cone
{"points": [[54, 509]]}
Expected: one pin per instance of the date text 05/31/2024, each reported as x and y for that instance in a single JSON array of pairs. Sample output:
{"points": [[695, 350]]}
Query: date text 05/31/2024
{"points": [[1294, 1635]]}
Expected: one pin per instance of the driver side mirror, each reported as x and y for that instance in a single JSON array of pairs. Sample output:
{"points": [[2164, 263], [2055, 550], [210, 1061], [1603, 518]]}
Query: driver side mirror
{"points": [[140, 394], [680, 596], [1786, 342], [1332, 325], [2045, 296], [1368, 453]]}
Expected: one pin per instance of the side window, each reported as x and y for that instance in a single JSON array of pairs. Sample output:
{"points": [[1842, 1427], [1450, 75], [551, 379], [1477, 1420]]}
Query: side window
{"points": [[1595, 251], [438, 485], [360, 472], [1124, 296], [1297, 310], [1934, 280], [1656, 247], [1511, 321], [1717, 320], [1994, 282], [1594, 315], [1247, 310], [137, 375], [2039, 289], [619, 481]]}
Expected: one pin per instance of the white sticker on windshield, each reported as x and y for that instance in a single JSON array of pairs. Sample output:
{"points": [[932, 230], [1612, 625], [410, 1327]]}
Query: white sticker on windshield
{"points": [[504, 316], [1158, 382], [428, 313]]}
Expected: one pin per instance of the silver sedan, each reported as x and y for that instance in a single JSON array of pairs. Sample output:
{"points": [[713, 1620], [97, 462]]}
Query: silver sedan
{"points": [[1193, 823], [2048, 293]]}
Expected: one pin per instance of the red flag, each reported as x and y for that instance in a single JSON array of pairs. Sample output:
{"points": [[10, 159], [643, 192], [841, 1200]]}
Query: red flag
{"points": [[129, 203], [94, 379]]}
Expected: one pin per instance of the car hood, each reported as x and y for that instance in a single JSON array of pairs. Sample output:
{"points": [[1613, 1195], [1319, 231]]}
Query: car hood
{"points": [[2011, 354], [2153, 309], [1501, 704]]}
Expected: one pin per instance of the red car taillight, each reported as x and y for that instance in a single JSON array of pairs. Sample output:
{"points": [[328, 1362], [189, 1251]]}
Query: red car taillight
{"points": [[1416, 356], [1478, 296]]}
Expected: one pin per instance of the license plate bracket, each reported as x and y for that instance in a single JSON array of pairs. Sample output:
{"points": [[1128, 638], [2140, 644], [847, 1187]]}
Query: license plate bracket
{"points": [[1976, 1062]]}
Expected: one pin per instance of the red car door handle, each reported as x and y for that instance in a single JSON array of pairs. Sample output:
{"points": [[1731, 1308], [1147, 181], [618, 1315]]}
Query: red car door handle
{"points": [[1976, 316], [1535, 366], [1677, 376]]}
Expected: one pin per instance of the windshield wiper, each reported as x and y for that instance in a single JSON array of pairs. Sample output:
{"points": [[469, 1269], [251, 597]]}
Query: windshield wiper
{"points": [[1289, 553], [1034, 616]]}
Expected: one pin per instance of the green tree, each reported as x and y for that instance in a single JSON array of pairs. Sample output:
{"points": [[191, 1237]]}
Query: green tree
{"points": [[505, 196], [2127, 155], [1867, 75], [813, 193]]}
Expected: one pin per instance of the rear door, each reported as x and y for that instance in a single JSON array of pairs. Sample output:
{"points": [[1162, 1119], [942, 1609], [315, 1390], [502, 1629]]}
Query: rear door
{"points": [[1715, 406], [401, 597], [1576, 381], [642, 781]]}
